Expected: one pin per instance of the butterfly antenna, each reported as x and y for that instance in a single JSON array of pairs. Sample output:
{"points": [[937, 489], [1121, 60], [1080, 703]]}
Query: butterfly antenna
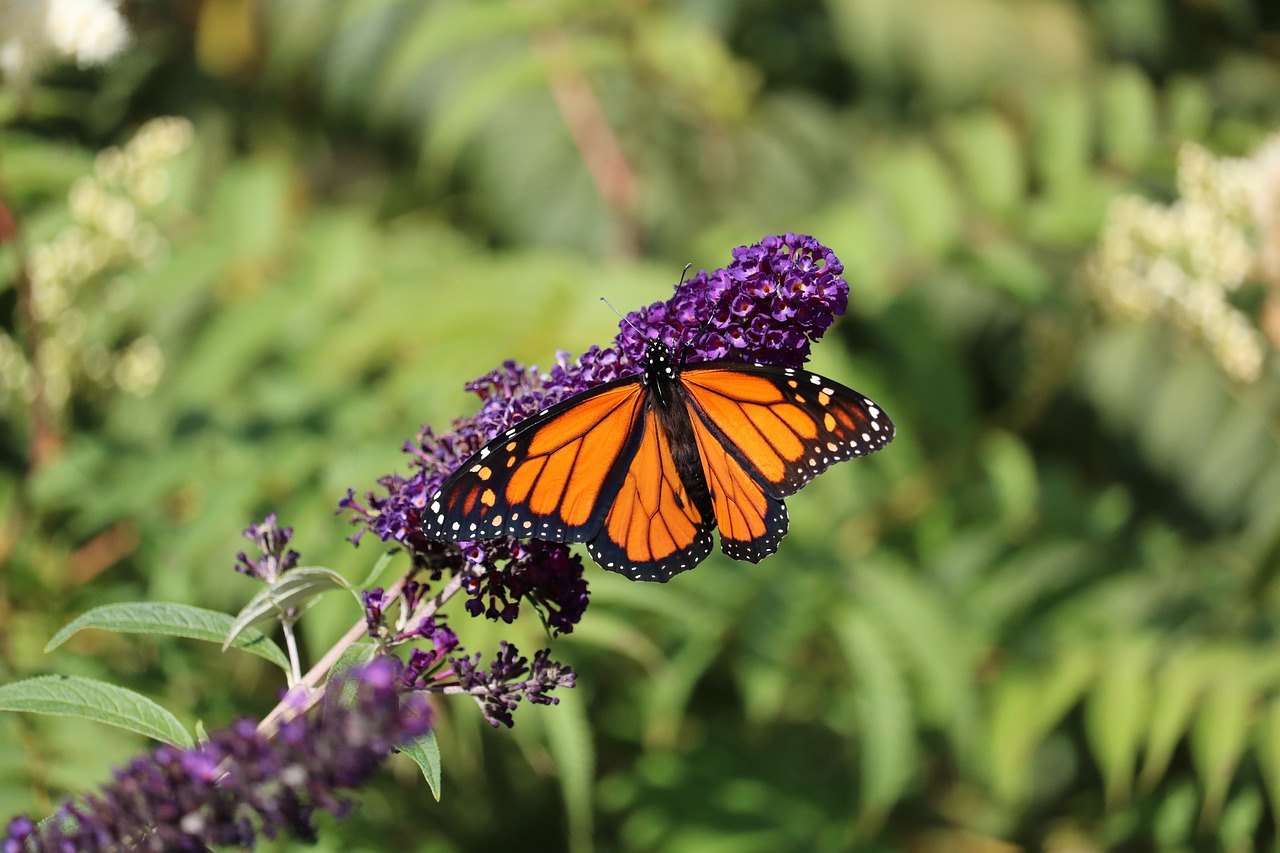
{"points": [[706, 324], [624, 317]]}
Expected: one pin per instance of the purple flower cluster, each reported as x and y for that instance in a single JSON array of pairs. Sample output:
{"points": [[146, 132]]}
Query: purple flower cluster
{"points": [[423, 668], [510, 678], [498, 690], [768, 305], [239, 786], [545, 573], [273, 541]]}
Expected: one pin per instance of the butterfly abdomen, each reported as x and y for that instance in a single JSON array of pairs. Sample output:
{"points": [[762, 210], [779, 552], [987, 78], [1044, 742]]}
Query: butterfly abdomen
{"points": [[668, 401]]}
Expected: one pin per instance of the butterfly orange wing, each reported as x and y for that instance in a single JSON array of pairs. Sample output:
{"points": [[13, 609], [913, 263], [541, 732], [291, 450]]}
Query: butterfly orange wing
{"points": [[553, 476], [763, 432], [653, 530], [596, 468]]}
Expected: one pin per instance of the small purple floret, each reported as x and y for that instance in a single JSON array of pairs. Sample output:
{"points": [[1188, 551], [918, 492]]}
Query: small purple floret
{"points": [[273, 542]]}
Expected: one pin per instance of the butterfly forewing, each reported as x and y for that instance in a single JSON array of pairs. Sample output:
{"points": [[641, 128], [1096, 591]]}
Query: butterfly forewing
{"points": [[785, 426], [553, 476]]}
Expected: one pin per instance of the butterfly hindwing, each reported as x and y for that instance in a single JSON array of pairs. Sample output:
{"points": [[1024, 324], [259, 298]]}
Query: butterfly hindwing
{"points": [[553, 476], [653, 530], [752, 522]]}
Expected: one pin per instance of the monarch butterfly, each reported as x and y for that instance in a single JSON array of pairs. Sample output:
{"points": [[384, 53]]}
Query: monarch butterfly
{"points": [[644, 467]]}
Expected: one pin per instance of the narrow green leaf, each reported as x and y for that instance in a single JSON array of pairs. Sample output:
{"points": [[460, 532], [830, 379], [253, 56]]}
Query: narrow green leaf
{"points": [[569, 739], [1116, 715], [1173, 825], [885, 717], [941, 663], [1178, 687], [990, 159], [1220, 734], [353, 655], [90, 699], [1013, 735], [172, 620], [1063, 139], [922, 195], [298, 588], [378, 568], [425, 752], [1129, 124], [1026, 707], [1063, 686], [1011, 470], [1269, 752], [1241, 820]]}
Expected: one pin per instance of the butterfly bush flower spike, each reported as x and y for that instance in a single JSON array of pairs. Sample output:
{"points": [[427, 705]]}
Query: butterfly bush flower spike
{"points": [[273, 543], [239, 786], [509, 679]]}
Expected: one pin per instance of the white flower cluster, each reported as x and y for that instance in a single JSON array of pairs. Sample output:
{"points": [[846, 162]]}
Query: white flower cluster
{"points": [[109, 233], [34, 33], [1181, 262]]}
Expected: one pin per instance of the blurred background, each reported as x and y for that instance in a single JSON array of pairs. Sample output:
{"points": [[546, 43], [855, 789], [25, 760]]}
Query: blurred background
{"points": [[246, 249]]}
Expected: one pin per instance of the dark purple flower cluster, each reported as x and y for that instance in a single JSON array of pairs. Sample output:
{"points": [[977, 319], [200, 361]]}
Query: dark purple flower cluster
{"points": [[375, 603], [544, 573], [498, 690], [239, 786], [423, 668], [273, 541], [510, 678], [768, 305]]}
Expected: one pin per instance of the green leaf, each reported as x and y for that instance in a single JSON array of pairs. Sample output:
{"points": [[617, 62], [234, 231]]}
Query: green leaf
{"points": [[171, 620], [378, 568], [1011, 468], [1177, 691], [1014, 735], [1128, 123], [297, 588], [425, 752], [1220, 734], [922, 194], [1241, 820], [1269, 751], [884, 716], [90, 699], [353, 655], [990, 160], [928, 640], [1116, 715], [1064, 139], [1026, 707], [569, 739]]}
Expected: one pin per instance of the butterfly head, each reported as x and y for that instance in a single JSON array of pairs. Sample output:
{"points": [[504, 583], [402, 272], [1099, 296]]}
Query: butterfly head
{"points": [[657, 361]]}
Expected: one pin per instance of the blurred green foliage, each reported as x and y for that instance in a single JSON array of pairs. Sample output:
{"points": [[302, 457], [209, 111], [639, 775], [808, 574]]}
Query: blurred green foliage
{"points": [[1045, 616]]}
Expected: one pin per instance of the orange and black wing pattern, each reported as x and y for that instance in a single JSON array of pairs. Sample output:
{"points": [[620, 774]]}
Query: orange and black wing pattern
{"points": [[596, 468], [763, 432], [654, 529], [553, 476]]}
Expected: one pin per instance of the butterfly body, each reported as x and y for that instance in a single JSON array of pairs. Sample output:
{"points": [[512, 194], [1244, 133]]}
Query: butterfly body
{"points": [[643, 468]]}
